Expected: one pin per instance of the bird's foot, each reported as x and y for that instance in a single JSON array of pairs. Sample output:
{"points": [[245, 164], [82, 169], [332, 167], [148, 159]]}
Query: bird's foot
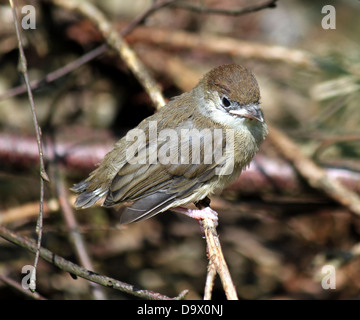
{"points": [[198, 214]]}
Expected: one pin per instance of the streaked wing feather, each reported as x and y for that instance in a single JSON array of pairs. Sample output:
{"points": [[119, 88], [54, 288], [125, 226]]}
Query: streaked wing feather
{"points": [[154, 187], [139, 210]]}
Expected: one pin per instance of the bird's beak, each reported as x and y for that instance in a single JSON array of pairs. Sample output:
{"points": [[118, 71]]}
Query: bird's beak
{"points": [[252, 111]]}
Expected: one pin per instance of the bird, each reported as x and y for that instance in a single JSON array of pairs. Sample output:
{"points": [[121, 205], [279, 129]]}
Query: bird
{"points": [[193, 147]]}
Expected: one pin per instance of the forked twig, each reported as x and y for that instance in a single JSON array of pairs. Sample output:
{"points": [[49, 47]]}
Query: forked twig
{"points": [[217, 263], [217, 260]]}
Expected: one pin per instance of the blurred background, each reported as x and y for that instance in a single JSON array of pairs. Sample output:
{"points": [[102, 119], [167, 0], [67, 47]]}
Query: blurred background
{"points": [[276, 231]]}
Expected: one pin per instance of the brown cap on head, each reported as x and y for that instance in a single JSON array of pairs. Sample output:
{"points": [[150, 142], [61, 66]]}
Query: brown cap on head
{"points": [[234, 81]]}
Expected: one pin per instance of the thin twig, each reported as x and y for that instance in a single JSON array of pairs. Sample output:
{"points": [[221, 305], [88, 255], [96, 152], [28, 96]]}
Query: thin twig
{"points": [[43, 174], [79, 271], [142, 17], [229, 12], [55, 75], [23, 70]]}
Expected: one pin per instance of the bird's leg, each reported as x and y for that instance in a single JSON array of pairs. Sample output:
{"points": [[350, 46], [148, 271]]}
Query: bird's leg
{"points": [[203, 203], [203, 212]]}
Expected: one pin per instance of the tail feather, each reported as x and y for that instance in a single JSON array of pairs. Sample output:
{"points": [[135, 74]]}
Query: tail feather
{"points": [[87, 198], [80, 187]]}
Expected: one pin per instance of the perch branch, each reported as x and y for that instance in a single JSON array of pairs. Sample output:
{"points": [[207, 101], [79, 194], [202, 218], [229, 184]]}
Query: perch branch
{"points": [[217, 263], [217, 260]]}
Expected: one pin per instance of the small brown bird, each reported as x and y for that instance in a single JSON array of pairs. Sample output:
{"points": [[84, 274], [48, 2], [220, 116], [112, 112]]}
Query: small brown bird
{"points": [[192, 147]]}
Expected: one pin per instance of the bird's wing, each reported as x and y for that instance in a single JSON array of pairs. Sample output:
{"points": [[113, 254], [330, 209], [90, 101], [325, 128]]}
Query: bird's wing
{"points": [[153, 187]]}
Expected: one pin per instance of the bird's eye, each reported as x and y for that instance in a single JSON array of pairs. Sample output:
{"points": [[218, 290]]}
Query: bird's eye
{"points": [[226, 102]]}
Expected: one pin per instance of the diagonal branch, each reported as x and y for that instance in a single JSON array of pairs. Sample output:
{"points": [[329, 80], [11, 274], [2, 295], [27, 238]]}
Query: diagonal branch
{"points": [[217, 263], [75, 269]]}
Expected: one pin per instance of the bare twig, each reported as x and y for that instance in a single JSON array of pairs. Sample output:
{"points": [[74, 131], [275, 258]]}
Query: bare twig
{"points": [[43, 174], [23, 70], [75, 269], [316, 176], [55, 75], [141, 18], [229, 12]]}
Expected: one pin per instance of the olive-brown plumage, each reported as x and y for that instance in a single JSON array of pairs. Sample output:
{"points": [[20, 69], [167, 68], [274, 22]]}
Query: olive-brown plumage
{"points": [[226, 98]]}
